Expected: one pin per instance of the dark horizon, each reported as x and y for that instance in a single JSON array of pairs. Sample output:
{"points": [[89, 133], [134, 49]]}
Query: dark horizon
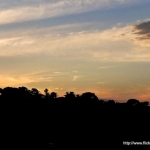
{"points": [[76, 94], [31, 119]]}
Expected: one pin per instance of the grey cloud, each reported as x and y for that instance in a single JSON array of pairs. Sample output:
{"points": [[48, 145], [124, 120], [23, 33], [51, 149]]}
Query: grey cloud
{"points": [[143, 30]]}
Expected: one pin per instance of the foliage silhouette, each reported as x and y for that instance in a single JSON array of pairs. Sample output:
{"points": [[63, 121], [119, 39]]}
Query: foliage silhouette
{"points": [[31, 119]]}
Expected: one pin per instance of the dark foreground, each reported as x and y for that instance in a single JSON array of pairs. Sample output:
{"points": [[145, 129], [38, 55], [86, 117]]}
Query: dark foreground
{"points": [[31, 120]]}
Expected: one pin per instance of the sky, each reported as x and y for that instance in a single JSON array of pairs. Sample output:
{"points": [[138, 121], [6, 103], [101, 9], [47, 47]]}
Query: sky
{"points": [[99, 46]]}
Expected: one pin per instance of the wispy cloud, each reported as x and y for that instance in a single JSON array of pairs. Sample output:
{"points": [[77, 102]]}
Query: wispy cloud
{"points": [[102, 83], [75, 71], [19, 79], [104, 67], [57, 72], [42, 9], [75, 78]]}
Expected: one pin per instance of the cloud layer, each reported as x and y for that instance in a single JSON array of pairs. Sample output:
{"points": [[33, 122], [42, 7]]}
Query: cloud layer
{"points": [[14, 11], [129, 43]]}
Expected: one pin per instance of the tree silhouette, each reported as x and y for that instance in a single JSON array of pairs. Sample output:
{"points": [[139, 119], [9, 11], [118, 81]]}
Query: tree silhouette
{"points": [[89, 95], [53, 95], [132, 102], [30, 119], [1, 91], [70, 95], [34, 91], [46, 92]]}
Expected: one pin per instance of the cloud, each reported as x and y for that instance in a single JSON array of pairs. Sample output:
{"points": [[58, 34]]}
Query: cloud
{"points": [[75, 71], [33, 10], [75, 77], [57, 72], [24, 79], [102, 83], [138, 33], [142, 31], [14, 81], [114, 44], [144, 28], [104, 67]]}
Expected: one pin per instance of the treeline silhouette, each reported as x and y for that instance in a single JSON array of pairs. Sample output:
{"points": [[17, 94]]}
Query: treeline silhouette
{"points": [[33, 120]]}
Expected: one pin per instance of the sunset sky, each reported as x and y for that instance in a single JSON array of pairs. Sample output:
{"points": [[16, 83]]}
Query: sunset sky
{"points": [[100, 46]]}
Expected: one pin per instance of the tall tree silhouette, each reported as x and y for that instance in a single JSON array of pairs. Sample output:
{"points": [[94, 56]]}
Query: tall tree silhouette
{"points": [[53, 95], [46, 92]]}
